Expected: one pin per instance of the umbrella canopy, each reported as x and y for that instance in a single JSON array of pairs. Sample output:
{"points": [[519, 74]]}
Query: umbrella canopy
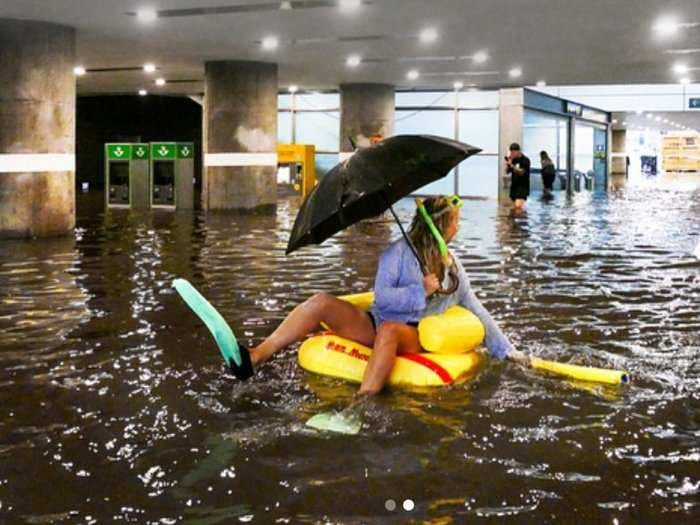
{"points": [[370, 181]]}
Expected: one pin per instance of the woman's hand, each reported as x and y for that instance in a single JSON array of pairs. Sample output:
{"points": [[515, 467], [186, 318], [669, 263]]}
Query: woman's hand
{"points": [[431, 284]]}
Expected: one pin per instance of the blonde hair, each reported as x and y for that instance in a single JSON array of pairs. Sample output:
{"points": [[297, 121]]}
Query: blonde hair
{"points": [[427, 246]]}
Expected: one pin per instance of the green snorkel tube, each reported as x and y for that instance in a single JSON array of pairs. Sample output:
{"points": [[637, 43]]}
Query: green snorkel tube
{"points": [[454, 202]]}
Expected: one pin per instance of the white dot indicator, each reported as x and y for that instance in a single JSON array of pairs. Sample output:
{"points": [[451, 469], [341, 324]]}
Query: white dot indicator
{"points": [[408, 505], [390, 505]]}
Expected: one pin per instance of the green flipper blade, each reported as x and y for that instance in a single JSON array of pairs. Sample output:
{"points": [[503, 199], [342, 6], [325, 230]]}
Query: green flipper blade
{"points": [[217, 325], [336, 422]]}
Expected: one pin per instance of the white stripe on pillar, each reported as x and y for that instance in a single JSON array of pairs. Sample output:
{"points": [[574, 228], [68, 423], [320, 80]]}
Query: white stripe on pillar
{"points": [[240, 159], [36, 162]]}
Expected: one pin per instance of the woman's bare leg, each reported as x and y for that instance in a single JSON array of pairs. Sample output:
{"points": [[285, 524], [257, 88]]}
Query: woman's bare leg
{"points": [[343, 318], [392, 339]]}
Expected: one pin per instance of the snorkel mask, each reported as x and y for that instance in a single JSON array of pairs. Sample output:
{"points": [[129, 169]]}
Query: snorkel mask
{"points": [[453, 203]]}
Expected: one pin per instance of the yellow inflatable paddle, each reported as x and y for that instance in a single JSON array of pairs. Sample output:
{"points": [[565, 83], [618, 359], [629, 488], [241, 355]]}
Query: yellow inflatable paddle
{"points": [[582, 373]]}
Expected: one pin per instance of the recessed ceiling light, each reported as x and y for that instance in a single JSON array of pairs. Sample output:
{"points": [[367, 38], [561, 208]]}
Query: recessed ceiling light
{"points": [[649, 115], [657, 119], [680, 68], [614, 121], [685, 81], [160, 82], [458, 85], [349, 5], [285, 5], [413, 74], [270, 43], [516, 72], [639, 112], [79, 71], [293, 88], [541, 83], [480, 57], [353, 61], [666, 26], [624, 122], [147, 14], [149, 68], [143, 92], [428, 35]]}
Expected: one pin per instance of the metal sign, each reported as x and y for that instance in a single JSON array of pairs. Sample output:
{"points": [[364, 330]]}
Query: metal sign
{"points": [[574, 109], [185, 150], [119, 151], [163, 151]]}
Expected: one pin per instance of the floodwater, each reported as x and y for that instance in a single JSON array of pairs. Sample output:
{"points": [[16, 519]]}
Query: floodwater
{"points": [[114, 406]]}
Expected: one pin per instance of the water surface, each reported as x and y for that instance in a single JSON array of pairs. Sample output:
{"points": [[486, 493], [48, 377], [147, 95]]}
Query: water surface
{"points": [[114, 406]]}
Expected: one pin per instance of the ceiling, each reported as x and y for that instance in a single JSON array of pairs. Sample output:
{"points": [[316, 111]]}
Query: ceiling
{"points": [[563, 43], [658, 120]]}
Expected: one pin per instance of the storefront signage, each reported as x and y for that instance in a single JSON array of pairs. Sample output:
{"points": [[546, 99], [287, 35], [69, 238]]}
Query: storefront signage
{"points": [[694, 103]]}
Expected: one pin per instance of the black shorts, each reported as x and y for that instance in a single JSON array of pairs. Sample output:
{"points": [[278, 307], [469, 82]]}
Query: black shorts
{"points": [[374, 321]]}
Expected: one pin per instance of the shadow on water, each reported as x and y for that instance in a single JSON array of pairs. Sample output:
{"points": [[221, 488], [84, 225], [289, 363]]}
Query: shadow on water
{"points": [[111, 390]]}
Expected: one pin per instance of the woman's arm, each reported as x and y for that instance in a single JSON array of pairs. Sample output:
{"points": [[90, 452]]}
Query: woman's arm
{"points": [[495, 340], [388, 295]]}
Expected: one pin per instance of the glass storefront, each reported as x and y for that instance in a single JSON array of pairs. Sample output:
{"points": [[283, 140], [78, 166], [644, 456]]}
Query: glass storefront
{"points": [[546, 132]]}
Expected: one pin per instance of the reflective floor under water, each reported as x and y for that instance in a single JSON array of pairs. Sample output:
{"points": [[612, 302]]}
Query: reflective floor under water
{"points": [[114, 405]]}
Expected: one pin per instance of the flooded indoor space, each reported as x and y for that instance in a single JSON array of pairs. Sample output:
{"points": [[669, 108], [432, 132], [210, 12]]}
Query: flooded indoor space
{"points": [[349, 262]]}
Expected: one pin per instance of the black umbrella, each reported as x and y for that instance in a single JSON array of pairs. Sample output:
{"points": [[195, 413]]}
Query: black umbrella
{"points": [[370, 181]]}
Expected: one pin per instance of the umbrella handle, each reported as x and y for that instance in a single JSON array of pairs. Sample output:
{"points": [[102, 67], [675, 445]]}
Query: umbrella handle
{"points": [[408, 240]]}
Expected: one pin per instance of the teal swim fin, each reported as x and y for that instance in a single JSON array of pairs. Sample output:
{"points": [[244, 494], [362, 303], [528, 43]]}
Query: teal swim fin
{"points": [[235, 357], [336, 422]]}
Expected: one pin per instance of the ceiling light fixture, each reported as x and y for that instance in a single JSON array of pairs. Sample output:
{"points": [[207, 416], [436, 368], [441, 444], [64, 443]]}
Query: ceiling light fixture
{"points": [[516, 72], [285, 5], [480, 57], [614, 121], [428, 35], [680, 69], [458, 85], [353, 61], [270, 43], [149, 68], [541, 83], [293, 88], [143, 92], [649, 115], [349, 5], [147, 15], [685, 81], [79, 71], [160, 82], [413, 74]]}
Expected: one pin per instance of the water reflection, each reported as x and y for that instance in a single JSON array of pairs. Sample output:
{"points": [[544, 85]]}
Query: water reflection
{"points": [[113, 391]]}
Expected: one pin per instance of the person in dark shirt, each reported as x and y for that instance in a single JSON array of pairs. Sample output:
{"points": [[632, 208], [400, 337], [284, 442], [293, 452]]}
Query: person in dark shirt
{"points": [[549, 173], [518, 166]]}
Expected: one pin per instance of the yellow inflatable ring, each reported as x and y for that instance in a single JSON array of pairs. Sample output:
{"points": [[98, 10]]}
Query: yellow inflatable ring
{"points": [[334, 356], [450, 337]]}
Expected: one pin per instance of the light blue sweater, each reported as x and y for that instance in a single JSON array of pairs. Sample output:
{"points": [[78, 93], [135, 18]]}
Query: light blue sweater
{"points": [[399, 296]]}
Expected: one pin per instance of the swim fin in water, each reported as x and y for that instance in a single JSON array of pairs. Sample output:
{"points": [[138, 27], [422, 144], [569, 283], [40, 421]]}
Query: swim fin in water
{"points": [[236, 357]]}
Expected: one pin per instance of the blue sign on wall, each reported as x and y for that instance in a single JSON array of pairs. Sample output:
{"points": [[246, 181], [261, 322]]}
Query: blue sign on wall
{"points": [[694, 103]]}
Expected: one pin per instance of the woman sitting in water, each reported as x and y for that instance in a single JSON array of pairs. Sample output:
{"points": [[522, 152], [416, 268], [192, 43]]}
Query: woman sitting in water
{"points": [[402, 297]]}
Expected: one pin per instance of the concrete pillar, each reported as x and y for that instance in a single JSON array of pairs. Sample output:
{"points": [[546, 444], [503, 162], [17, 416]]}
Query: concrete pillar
{"points": [[366, 110], [511, 112], [240, 135], [618, 158], [37, 129]]}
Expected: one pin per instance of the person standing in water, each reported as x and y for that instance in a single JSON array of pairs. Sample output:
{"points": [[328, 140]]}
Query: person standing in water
{"points": [[403, 296], [518, 166], [549, 173]]}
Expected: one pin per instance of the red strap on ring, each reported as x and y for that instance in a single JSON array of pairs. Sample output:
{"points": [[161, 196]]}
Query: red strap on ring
{"points": [[421, 360]]}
